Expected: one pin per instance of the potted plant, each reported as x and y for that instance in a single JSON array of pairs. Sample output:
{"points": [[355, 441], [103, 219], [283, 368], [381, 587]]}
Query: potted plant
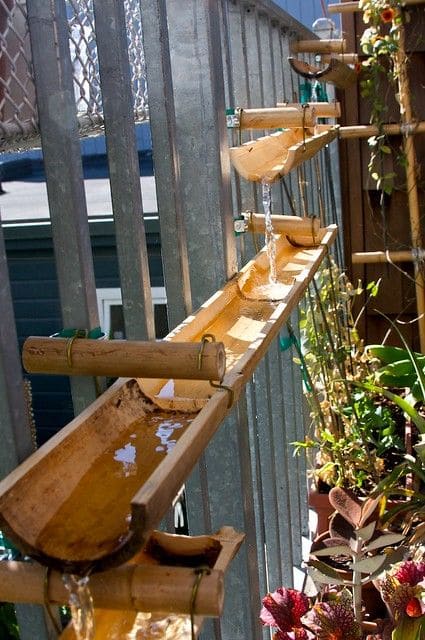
{"points": [[336, 609], [356, 434]]}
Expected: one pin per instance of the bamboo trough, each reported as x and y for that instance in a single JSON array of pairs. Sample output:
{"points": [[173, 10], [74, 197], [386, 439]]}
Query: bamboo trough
{"points": [[87, 500], [271, 157], [158, 580], [335, 72]]}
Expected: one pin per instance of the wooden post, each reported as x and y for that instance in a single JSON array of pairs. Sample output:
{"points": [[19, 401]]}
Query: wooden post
{"points": [[412, 188], [318, 46], [121, 358]]}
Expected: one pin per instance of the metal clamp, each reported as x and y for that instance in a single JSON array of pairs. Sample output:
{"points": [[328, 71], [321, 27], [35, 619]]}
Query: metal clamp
{"points": [[207, 337], [200, 572]]}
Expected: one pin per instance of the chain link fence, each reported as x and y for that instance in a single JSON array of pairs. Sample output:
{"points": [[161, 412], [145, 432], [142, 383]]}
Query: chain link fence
{"points": [[18, 110]]}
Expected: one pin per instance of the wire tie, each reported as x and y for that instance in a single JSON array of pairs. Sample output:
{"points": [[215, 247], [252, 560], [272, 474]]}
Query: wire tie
{"points": [[207, 337], [200, 572], [47, 603], [408, 128], [223, 387], [79, 333], [304, 107]]}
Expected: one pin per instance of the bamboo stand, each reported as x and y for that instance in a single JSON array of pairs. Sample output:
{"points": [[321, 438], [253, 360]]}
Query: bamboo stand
{"points": [[412, 188]]}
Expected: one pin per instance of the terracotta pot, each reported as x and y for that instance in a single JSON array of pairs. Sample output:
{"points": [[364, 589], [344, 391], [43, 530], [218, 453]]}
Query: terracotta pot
{"points": [[319, 503]]}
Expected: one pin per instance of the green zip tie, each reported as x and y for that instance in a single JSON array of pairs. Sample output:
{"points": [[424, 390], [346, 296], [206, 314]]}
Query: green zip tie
{"points": [[93, 334], [285, 343]]}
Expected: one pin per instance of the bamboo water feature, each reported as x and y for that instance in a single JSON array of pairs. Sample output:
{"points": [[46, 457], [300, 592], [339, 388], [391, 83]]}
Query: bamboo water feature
{"points": [[335, 72], [271, 157], [88, 499]]}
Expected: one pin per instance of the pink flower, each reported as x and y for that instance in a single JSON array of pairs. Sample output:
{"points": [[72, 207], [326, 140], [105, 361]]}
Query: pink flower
{"points": [[283, 609], [411, 572]]}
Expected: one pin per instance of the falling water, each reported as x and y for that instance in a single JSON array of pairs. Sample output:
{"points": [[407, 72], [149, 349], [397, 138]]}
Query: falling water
{"points": [[269, 235], [81, 605]]}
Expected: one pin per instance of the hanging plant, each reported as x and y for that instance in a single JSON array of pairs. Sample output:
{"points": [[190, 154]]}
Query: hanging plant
{"points": [[380, 44]]}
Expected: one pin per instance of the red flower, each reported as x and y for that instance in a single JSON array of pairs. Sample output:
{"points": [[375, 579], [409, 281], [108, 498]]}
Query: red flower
{"points": [[414, 608], [387, 15], [283, 609]]}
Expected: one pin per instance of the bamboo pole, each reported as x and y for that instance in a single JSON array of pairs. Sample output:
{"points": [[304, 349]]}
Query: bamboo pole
{"points": [[347, 58], [274, 118], [412, 188], [290, 225], [373, 257], [318, 46], [352, 7], [123, 358], [321, 109], [367, 130], [146, 587]]}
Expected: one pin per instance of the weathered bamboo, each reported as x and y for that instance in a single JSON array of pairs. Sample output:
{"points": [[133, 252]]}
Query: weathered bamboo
{"points": [[373, 257], [90, 496], [269, 158], [348, 58], [318, 46], [367, 130], [123, 358], [321, 109], [336, 72], [289, 225], [412, 187], [276, 117], [153, 588], [352, 7]]}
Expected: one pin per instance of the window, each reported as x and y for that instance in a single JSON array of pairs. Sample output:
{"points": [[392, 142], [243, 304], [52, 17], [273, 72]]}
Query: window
{"points": [[111, 317]]}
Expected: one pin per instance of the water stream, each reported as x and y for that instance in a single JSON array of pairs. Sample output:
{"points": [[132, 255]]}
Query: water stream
{"points": [[81, 605], [269, 234]]}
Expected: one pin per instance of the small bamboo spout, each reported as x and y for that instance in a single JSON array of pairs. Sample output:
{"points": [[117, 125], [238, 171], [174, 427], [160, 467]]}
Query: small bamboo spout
{"points": [[289, 225], [122, 358]]}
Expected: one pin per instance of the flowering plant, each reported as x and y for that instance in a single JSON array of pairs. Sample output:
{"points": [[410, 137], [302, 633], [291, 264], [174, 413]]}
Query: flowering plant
{"points": [[330, 616], [380, 44]]}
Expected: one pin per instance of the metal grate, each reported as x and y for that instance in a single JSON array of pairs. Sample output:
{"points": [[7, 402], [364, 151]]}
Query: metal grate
{"points": [[18, 111]]}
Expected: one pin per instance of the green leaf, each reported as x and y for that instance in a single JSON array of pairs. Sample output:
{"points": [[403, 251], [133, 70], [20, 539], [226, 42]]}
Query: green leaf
{"points": [[365, 533], [385, 541], [338, 550], [369, 565], [409, 629]]}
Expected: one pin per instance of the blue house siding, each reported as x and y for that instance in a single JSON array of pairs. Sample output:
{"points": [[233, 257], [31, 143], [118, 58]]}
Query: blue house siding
{"points": [[36, 302]]}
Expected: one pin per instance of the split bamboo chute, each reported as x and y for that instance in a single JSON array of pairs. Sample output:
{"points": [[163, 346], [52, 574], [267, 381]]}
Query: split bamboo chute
{"points": [[335, 72], [271, 157], [205, 360], [160, 579], [88, 498]]}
